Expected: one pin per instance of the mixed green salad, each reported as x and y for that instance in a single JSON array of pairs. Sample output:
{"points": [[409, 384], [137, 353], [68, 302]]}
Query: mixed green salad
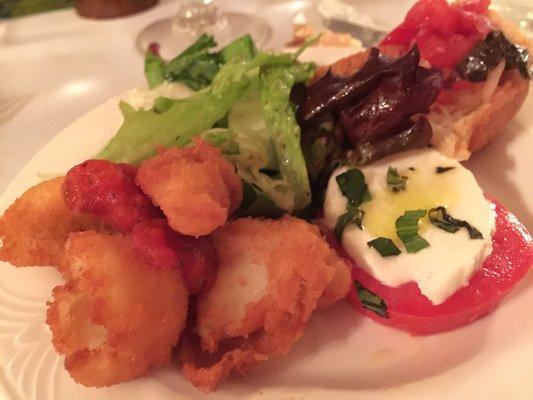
{"points": [[284, 134], [241, 104]]}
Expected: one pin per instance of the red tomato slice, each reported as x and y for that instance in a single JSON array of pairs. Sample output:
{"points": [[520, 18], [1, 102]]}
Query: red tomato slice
{"points": [[411, 311]]}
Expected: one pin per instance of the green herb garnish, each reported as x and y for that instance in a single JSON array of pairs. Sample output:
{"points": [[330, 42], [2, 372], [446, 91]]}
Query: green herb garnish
{"points": [[353, 216], [407, 230], [384, 246], [371, 301], [352, 186], [441, 170], [395, 181], [441, 219]]}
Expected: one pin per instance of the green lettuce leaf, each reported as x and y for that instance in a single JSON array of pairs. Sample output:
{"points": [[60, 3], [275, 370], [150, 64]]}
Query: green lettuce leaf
{"points": [[242, 48], [245, 111], [279, 113], [178, 123], [154, 69], [197, 66]]}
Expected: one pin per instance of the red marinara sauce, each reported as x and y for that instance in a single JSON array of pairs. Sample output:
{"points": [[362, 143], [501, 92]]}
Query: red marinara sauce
{"points": [[444, 32], [161, 247], [108, 191], [410, 311]]}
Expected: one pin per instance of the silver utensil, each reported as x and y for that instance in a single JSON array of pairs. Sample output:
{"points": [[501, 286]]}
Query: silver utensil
{"points": [[368, 36]]}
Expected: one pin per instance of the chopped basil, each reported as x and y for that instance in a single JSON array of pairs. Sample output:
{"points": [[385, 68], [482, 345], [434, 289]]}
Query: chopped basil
{"points": [[384, 246], [441, 170], [441, 219], [353, 216], [353, 186], [407, 230], [371, 301], [395, 181]]}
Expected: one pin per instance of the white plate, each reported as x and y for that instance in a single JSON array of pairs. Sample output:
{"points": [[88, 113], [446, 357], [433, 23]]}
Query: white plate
{"points": [[341, 356]]}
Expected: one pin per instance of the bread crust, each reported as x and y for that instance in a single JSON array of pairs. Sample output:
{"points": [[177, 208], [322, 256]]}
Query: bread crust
{"points": [[484, 123], [481, 126]]}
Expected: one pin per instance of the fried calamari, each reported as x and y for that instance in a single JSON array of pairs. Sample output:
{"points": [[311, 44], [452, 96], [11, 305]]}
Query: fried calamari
{"points": [[116, 316], [34, 229], [272, 275], [196, 188]]}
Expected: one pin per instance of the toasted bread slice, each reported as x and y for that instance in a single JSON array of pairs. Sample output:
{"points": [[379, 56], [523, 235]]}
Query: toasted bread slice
{"points": [[460, 131], [475, 116]]}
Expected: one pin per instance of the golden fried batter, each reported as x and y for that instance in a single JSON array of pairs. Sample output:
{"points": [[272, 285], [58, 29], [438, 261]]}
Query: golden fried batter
{"points": [[36, 226], [196, 187], [271, 276], [116, 316]]}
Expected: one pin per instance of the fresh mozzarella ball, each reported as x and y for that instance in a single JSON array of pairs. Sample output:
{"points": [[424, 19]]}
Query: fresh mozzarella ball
{"points": [[448, 263]]}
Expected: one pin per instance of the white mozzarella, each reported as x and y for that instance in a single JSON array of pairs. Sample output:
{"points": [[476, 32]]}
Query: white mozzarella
{"points": [[448, 263]]}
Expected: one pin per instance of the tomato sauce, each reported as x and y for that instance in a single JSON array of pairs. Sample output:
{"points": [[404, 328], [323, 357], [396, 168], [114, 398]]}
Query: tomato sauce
{"points": [[108, 190]]}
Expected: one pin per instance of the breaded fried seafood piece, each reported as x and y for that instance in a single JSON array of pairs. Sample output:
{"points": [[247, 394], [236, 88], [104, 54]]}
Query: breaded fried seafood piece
{"points": [[116, 316], [271, 277], [196, 188], [34, 229]]}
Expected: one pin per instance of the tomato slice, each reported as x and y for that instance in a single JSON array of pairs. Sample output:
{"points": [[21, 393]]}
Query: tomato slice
{"points": [[444, 32], [411, 311]]}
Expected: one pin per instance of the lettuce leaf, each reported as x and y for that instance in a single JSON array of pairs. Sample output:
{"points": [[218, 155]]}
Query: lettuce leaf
{"points": [[264, 126], [279, 113], [182, 119], [154, 69], [197, 66], [246, 111]]}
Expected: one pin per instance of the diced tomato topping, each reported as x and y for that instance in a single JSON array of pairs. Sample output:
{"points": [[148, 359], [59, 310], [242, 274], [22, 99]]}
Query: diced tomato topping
{"points": [[162, 247], [108, 191], [444, 32], [475, 6], [411, 311]]}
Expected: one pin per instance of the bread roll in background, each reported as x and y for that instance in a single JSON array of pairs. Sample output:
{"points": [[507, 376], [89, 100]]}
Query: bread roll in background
{"points": [[101, 9]]}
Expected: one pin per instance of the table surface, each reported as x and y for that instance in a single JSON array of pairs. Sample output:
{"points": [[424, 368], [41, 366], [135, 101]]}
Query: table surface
{"points": [[46, 85]]}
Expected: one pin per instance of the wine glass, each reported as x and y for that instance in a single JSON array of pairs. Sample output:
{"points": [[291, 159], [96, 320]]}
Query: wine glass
{"points": [[196, 17]]}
